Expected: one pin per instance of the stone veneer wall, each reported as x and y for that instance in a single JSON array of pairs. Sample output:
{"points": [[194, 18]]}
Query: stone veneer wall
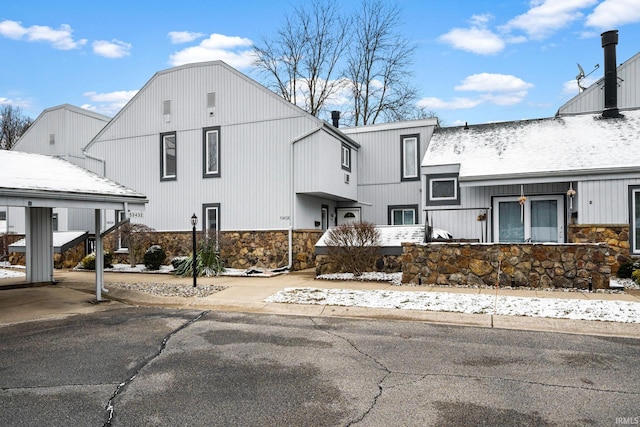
{"points": [[532, 265], [615, 235], [239, 249]]}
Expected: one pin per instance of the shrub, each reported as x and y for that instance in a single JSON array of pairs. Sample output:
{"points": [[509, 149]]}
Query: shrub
{"points": [[626, 269], [154, 257], [208, 262], [354, 248], [636, 276], [89, 261], [176, 261]]}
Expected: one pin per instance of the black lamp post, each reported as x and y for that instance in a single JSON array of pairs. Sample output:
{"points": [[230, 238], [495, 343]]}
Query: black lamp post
{"points": [[194, 222]]}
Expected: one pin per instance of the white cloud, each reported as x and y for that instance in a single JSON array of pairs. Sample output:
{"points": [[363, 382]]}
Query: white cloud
{"points": [[477, 39], [61, 38], [488, 82], [496, 89], [548, 16], [235, 51], [455, 104], [22, 103], [178, 37], [111, 49], [612, 13], [108, 103]]}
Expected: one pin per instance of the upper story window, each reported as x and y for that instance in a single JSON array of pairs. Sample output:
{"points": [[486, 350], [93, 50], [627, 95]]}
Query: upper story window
{"points": [[52, 138], [410, 147], [442, 189], [211, 151], [168, 156], [346, 157], [211, 104], [166, 110]]}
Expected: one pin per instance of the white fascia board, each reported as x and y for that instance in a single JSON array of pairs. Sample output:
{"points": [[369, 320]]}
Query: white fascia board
{"points": [[537, 178]]}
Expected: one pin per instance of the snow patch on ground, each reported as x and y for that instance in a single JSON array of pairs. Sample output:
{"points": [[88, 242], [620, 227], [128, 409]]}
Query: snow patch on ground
{"points": [[576, 309]]}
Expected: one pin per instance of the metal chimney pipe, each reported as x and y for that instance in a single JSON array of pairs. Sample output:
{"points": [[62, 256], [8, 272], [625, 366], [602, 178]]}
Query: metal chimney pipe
{"points": [[335, 118], [609, 42]]}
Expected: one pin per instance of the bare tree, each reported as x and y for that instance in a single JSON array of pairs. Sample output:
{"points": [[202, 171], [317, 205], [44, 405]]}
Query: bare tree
{"points": [[301, 60], [12, 125], [378, 67]]}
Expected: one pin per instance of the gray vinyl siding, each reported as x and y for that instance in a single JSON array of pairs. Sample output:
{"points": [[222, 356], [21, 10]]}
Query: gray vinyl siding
{"points": [[318, 168], [604, 201], [592, 98], [380, 182], [73, 129], [256, 132]]}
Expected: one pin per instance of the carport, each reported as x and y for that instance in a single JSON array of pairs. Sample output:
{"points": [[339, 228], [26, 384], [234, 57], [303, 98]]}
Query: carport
{"points": [[40, 183]]}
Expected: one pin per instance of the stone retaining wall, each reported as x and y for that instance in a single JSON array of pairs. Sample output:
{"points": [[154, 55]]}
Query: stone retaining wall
{"points": [[531, 265], [616, 236], [386, 263], [238, 249]]}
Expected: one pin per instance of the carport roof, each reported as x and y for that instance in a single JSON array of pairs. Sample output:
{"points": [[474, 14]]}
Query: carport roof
{"points": [[37, 180]]}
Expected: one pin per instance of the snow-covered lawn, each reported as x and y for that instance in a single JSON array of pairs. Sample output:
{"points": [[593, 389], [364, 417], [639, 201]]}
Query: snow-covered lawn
{"points": [[578, 309]]}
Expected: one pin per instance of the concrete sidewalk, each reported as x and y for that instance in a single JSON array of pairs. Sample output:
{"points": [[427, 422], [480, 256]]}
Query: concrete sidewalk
{"points": [[75, 291]]}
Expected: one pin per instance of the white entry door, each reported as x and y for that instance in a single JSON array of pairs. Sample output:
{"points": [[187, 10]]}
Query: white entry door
{"points": [[539, 219], [348, 215]]}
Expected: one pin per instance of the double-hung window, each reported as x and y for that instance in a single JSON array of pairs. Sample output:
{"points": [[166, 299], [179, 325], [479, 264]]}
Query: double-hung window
{"points": [[168, 156], [410, 148], [211, 151]]}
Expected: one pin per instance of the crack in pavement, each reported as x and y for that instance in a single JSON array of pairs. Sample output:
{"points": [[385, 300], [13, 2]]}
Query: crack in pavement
{"points": [[110, 408], [423, 376], [373, 359]]}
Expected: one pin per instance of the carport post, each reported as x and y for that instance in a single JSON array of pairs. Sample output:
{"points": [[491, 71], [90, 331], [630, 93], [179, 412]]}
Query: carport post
{"points": [[99, 255]]}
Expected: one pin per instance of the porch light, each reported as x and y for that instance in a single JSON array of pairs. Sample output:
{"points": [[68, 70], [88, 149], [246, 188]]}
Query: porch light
{"points": [[570, 193]]}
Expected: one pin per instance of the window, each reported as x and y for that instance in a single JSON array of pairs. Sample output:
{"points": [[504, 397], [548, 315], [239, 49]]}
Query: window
{"points": [[211, 104], [403, 215], [442, 190], [52, 138], [54, 221], [211, 215], [123, 241], [346, 157], [168, 159], [3, 215], [211, 151], [634, 219], [410, 147]]}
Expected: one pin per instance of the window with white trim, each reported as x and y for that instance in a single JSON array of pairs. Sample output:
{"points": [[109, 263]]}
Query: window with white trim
{"points": [[410, 148], [346, 157], [123, 240], [168, 156], [403, 215], [443, 189], [211, 152]]}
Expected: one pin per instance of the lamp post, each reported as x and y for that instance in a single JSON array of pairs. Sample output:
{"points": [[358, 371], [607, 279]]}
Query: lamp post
{"points": [[194, 222]]}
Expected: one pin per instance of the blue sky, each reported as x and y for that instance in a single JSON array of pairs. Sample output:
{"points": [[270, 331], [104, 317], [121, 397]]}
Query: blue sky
{"points": [[477, 61]]}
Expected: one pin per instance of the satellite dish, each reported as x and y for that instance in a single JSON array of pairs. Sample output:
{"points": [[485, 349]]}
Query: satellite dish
{"points": [[581, 76]]}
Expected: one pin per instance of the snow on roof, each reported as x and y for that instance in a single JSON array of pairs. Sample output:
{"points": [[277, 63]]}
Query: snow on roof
{"points": [[551, 146], [62, 240], [395, 235], [37, 172]]}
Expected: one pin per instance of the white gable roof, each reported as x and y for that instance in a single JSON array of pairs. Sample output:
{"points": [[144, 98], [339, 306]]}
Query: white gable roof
{"points": [[546, 147], [35, 176]]}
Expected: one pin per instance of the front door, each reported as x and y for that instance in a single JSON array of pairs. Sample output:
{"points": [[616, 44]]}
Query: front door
{"points": [[348, 215], [539, 219]]}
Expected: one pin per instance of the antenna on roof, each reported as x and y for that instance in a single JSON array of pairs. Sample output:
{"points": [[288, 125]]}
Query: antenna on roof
{"points": [[581, 75]]}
